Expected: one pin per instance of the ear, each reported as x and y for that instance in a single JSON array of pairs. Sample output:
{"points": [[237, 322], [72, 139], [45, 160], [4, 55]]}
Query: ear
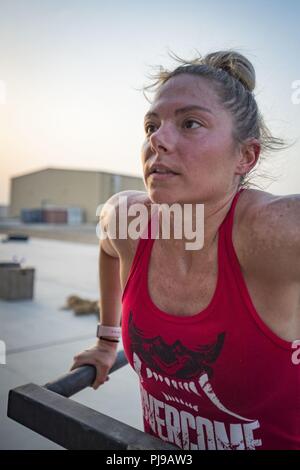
{"points": [[248, 155]]}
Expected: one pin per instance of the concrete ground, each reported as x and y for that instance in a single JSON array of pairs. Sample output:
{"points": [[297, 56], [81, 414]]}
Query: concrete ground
{"points": [[41, 339], [83, 233]]}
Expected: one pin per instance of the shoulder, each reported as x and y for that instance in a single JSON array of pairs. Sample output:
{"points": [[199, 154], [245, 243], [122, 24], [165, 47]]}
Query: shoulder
{"points": [[115, 217], [269, 231], [123, 201], [131, 196]]}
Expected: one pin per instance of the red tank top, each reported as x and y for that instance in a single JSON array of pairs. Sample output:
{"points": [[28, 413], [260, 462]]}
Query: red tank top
{"points": [[220, 379]]}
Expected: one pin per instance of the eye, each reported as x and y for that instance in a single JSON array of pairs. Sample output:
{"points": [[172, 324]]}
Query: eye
{"points": [[191, 124], [150, 128]]}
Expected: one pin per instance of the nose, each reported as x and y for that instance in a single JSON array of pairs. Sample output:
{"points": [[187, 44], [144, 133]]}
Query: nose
{"points": [[162, 140]]}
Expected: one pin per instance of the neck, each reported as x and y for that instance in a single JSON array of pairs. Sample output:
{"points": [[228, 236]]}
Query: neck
{"points": [[195, 232]]}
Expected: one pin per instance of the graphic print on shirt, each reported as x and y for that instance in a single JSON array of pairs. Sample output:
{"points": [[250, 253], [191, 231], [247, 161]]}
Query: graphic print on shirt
{"points": [[186, 371]]}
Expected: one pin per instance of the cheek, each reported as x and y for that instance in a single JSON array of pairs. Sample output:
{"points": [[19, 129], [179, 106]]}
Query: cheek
{"points": [[206, 167], [145, 151], [214, 153]]}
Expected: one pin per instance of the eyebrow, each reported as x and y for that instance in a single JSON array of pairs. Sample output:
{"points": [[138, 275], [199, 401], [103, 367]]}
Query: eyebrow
{"points": [[185, 109]]}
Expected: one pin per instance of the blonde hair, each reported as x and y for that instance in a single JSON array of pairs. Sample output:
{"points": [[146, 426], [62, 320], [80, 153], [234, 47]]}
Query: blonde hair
{"points": [[234, 79]]}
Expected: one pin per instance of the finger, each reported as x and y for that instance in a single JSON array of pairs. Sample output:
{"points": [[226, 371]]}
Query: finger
{"points": [[81, 360], [97, 384], [100, 379], [75, 365], [79, 363]]}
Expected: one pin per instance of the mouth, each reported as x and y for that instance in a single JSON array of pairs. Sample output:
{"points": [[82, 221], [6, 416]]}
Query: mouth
{"points": [[159, 172], [162, 176]]}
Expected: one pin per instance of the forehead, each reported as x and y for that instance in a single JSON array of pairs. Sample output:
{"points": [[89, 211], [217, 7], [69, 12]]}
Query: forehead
{"points": [[186, 89]]}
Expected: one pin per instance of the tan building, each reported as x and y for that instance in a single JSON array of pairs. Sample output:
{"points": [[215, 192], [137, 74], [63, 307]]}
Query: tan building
{"points": [[65, 187]]}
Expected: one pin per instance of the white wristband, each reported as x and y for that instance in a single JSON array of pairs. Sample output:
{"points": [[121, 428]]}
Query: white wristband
{"points": [[113, 331]]}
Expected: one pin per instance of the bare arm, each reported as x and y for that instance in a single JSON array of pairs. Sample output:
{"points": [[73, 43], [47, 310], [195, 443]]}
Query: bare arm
{"points": [[109, 257], [103, 354], [273, 233], [110, 288], [270, 255]]}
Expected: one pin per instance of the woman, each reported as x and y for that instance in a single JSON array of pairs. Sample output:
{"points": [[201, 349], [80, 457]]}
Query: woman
{"points": [[210, 332]]}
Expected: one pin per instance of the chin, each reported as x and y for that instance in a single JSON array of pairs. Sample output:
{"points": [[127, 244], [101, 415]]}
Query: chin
{"points": [[162, 196]]}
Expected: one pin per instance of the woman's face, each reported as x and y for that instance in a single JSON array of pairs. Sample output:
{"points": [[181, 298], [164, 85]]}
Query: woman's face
{"points": [[189, 144]]}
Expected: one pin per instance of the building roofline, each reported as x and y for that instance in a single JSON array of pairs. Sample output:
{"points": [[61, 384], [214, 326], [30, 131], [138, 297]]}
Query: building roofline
{"points": [[74, 169]]}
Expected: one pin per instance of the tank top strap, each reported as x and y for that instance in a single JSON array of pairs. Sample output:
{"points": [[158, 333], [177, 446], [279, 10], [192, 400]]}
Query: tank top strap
{"points": [[227, 255], [227, 224], [144, 247]]}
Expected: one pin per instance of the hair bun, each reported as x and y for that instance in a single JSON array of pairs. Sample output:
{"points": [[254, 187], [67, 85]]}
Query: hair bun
{"points": [[235, 64]]}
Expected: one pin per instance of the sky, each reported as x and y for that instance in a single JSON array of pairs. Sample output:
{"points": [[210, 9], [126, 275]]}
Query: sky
{"points": [[71, 73]]}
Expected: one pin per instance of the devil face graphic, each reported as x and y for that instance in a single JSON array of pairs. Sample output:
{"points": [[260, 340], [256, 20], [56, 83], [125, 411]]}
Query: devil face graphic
{"points": [[174, 360]]}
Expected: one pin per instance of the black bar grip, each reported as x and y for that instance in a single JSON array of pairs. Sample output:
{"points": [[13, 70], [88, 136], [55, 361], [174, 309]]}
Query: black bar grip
{"points": [[76, 380]]}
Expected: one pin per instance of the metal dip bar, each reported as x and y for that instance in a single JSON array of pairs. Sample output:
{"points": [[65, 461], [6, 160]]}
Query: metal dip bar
{"points": [[47, 411], [80, 378]]}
